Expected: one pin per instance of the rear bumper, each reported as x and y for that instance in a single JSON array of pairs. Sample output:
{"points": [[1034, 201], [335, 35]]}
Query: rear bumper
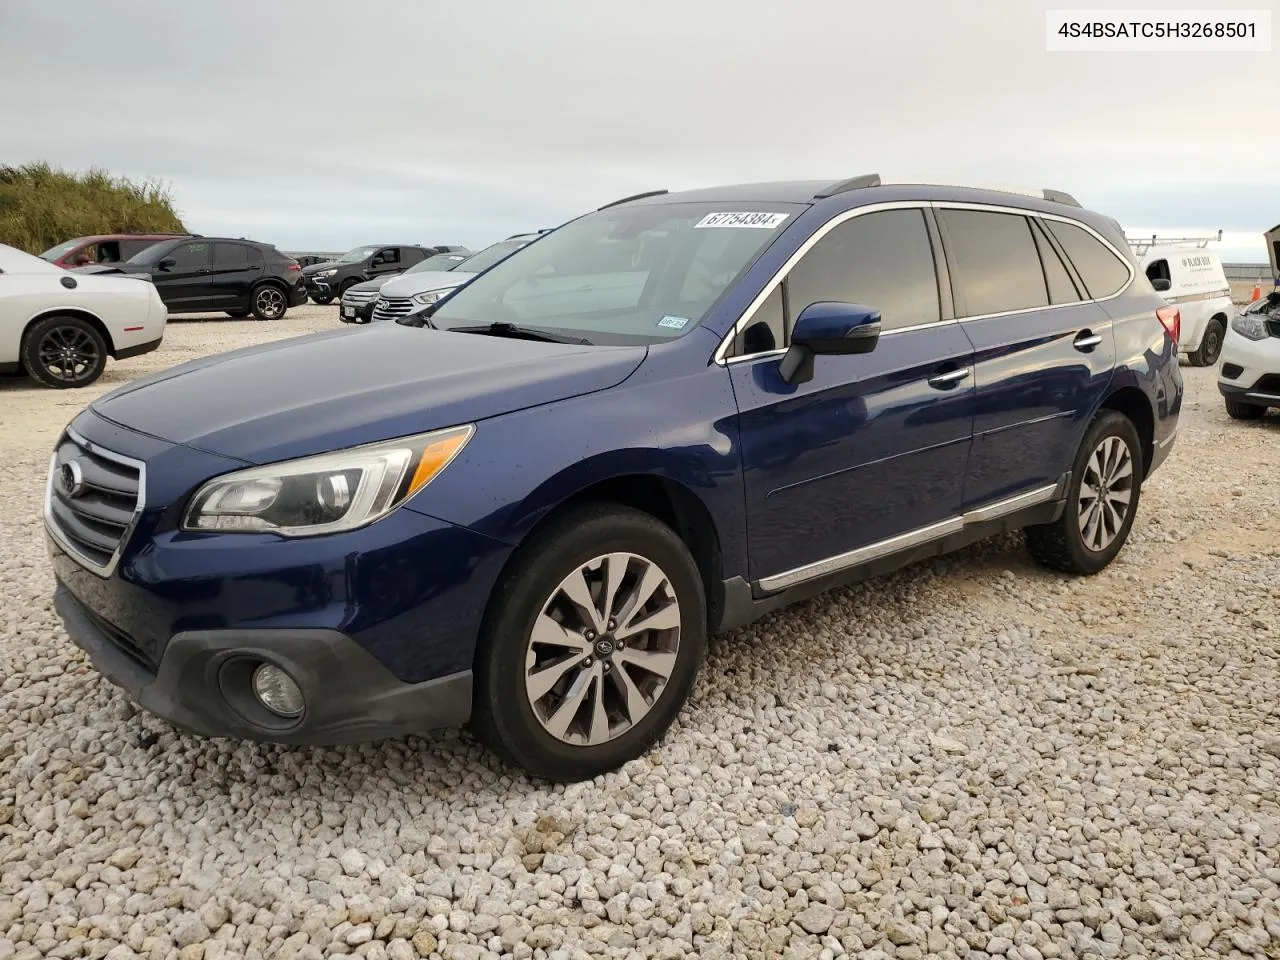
{"points": [[297, 295], [202, 683]]}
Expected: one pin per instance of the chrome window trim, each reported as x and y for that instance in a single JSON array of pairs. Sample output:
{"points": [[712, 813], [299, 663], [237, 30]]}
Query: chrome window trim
{"points": [[51, 525], [905, 541], [726, 342]]}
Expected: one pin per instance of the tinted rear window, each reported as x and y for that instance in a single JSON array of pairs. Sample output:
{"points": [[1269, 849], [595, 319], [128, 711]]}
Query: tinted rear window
{"points": [[995, 266], [1101, 270]]}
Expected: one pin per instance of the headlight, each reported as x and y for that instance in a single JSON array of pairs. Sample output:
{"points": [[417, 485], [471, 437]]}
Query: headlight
{"points": [[325, 273], [1252, 326], [327, 493], [429, 297]]}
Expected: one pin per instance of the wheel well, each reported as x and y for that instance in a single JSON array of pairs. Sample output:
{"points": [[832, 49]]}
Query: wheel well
{"points": [[1133, 403], [670, 503], [84, 315], [268, 282]]}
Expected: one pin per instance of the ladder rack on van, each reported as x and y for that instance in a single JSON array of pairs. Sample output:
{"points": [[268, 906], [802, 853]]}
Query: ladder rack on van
{"points": [[1140, 247]]}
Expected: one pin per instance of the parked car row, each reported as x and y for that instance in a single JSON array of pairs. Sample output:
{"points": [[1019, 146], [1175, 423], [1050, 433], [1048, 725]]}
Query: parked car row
{"points": [[330, 280]]}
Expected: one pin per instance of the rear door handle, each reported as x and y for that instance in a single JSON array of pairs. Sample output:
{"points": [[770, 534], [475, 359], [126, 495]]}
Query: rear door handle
{"points": [[945, 381], [1086, 340]]}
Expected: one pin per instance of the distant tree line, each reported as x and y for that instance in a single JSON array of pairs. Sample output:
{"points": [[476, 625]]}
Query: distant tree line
{"points": [[41, 206]]}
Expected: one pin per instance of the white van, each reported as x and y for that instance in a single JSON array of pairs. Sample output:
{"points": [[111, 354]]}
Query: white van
{"points": [[1192, 278]]}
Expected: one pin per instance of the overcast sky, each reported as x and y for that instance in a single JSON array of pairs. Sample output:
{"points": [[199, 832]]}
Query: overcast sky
{"points": [[321, 125]]}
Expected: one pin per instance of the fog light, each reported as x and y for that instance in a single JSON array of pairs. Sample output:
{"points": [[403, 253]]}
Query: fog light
{"points": [[277, 692]]}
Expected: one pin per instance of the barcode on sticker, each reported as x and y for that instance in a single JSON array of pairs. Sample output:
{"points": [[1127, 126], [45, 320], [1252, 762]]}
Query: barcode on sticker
{"points": [[760, 221]]}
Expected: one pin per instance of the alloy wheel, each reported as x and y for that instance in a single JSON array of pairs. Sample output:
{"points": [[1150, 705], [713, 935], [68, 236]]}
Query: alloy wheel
{"points": [[270, 302], [68, 353], [603, 649], [1106, 493]]}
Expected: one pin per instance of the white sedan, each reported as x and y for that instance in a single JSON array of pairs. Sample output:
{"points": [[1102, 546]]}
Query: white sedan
{"points": [[59, 327]]}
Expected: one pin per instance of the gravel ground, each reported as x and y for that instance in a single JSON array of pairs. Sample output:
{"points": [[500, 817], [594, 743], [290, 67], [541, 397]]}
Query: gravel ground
{"points": [[970, 758]]}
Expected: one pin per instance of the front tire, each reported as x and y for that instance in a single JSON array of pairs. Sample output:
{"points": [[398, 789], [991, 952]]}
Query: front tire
{"points": [[323, 301], [1206, 355], [1238, 410], [269, 302], [1102, 500], [64, 352], [591, 644]]}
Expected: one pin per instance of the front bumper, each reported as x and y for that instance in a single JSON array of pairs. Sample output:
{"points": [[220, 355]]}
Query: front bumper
{"points": [[1250, 369], [317, 288], [202, 683], [357, 312]]}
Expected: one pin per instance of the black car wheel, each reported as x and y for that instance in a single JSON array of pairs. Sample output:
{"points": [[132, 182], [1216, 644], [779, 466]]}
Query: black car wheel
{"points": [[269, 302], [1102, 500], [591, 644], [1206, 355], [64, 352]]}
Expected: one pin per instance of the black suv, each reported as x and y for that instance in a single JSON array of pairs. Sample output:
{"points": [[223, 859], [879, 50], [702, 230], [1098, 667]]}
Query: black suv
{"points": [[325, 281], [207, 274]]}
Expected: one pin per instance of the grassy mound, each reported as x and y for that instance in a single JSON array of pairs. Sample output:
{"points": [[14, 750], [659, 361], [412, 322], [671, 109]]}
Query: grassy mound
{"points": [[41, 206]]}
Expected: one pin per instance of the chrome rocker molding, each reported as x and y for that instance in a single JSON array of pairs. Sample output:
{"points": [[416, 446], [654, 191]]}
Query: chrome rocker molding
{"points": [[52, 527], [912, 538]]}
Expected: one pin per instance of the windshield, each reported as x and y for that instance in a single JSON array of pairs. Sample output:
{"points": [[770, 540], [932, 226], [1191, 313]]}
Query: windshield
{"points": [[495, 253], [437, 264], [53, 253], [152, 253], [639, 274], [357, 255]]}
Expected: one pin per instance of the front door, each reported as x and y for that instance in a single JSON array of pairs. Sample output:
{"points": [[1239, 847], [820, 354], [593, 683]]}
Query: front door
{"points": [[875, 446], [1043, 349], [183, 284]]}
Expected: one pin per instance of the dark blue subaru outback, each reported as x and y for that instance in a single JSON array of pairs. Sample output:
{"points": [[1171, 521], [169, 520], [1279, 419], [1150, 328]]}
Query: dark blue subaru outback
{"points": [[526, 509]]}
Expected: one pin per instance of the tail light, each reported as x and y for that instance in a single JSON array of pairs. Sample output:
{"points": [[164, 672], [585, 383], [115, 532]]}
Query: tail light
{"points": [[1171, 319], [294, 267]]}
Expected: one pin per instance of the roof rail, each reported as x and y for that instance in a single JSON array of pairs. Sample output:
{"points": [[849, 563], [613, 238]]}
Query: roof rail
{"points": [[1057, 196], [1141, 246], [856, 183], [637, 196]]}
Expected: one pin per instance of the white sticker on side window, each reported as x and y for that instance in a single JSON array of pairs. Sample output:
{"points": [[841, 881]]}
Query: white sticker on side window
{"points": [[759, 221]]}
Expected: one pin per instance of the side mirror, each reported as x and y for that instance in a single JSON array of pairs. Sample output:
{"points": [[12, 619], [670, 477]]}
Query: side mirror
{"points": [[1160, 284], [829, 327], [167, 263]]}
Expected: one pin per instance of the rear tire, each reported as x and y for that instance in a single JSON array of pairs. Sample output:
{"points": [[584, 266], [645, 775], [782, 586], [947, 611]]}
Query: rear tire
{"points": [[1102, 500], [1238, 410], [541, 653], [1206, 355], [64, 352], [269, 302]]}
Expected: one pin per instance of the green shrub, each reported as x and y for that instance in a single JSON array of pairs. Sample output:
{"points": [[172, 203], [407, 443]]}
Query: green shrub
{"points": [[41, 207]]}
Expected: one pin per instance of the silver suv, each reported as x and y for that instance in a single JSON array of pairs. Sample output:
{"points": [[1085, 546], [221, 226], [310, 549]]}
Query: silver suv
{"points": [[414, 290]]}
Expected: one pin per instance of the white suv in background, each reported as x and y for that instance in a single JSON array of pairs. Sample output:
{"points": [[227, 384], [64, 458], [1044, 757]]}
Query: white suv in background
{"points": [[60, 327], [1249, 378]]}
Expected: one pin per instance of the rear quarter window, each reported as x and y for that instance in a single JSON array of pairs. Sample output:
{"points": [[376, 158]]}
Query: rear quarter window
{"points": [[1103, 272]]}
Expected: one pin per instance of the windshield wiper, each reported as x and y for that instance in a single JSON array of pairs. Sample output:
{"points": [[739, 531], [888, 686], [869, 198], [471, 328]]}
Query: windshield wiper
{"points": [[504, 329]]}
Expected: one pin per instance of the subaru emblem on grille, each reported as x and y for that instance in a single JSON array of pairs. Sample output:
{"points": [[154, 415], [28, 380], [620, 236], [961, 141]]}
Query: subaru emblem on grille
{"points": [[71, 479]]}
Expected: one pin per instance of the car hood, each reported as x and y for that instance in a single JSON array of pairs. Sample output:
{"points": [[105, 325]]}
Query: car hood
{"points": [[1273, 251], [412, 284], [136, 270], [312, 269], [327, 391], [368, 285]]}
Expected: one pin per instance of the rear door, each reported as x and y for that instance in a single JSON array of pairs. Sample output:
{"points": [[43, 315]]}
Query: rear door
{"points": [[183, 283], [235, 269], [1043, 350], [874, 447]]}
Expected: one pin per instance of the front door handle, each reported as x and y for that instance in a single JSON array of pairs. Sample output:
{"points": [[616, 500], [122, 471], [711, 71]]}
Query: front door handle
{"points": [[1086, 340], [945, 381]]}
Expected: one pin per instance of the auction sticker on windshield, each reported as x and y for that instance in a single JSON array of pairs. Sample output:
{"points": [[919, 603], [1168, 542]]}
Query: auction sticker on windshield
{"points": [[760, 221]]}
